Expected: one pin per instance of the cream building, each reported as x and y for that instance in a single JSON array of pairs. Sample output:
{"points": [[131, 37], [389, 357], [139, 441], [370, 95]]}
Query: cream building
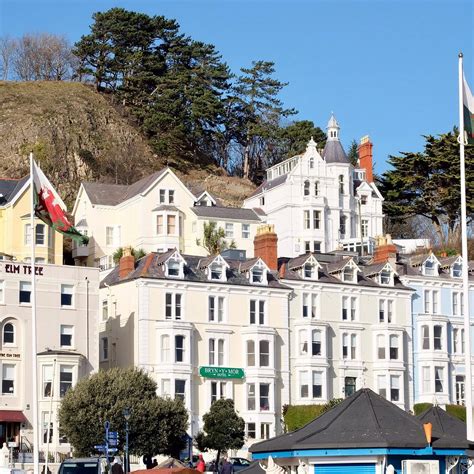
{"points": [[155, 214], [67, 341], [318, 201], [15, 226], [204, 328], [351, 329]]}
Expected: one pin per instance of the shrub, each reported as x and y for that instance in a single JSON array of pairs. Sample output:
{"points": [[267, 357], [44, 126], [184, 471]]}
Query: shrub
{"points": [[457, 411], [296, 416], [419, 408]]}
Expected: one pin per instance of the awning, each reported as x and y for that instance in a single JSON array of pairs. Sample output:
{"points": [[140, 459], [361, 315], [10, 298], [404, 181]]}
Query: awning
{"points": [[15, 416]]}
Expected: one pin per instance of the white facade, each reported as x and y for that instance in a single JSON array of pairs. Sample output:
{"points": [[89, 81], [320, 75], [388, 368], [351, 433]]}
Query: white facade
{"points": [[438, 323], [229, 314], [155, 214], [318, 202], [348, 333], [67, 340]]}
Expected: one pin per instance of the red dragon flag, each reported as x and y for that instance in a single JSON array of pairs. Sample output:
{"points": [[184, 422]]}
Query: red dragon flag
{"points": [[50, 208]]}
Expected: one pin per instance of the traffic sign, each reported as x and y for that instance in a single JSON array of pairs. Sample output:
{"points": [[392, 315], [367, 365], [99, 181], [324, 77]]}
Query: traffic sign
{"points": [[112, 450], [113, 442], [112, 435], [100, 447]]}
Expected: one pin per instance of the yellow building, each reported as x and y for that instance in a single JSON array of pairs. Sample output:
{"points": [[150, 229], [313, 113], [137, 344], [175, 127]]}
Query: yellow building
{"points": [[15, 226]]}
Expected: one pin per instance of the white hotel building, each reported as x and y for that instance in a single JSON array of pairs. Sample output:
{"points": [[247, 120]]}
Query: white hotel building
{"points": [[67, 340], [318, 201], [302, 330]]}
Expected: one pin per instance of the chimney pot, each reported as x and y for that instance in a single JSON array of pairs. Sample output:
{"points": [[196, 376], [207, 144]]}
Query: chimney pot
{"points": [[385, 250], [265, 245]]}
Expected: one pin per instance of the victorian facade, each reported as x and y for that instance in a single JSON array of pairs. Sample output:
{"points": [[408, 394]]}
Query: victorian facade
{"points": [[155, 214], [318, 201], [204, 328], [438, 321], [67, 340], [15, 226]]}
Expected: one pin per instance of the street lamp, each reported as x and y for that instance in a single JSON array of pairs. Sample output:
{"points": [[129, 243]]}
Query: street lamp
{"points": [[126, 415]]}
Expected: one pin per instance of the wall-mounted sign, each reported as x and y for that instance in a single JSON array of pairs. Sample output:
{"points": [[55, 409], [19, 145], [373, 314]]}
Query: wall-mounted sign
{"points": [[22, 269], [221, 372], [9, 355]]}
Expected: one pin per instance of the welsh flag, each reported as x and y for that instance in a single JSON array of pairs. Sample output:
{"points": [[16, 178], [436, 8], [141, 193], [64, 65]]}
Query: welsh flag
{"points": [[50, 208], [468, 110]]}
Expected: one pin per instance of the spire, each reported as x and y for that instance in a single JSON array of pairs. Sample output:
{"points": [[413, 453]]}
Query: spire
{"points": [[333, 128]]}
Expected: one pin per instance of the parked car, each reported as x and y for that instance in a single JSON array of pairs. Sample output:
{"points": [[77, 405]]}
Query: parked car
{"points": [[83, 466], [239, 463]]}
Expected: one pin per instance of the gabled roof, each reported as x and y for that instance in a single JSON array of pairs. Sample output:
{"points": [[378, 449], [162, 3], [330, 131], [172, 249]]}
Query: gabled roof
{"points": [[375, 268], [448, 262], [208, 261], [363, 420], [235, 213], [9, 188], [249, 264], [334, 153], [339, 266], [113, 194], [152, 266], [301, 260]]}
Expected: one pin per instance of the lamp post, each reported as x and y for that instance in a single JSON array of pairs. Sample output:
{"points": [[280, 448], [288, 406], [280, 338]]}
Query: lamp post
{"points": [[126, 415]]}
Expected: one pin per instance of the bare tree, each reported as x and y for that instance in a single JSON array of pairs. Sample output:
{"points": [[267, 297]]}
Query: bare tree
{"points": [[7, 50], [43, 57]]}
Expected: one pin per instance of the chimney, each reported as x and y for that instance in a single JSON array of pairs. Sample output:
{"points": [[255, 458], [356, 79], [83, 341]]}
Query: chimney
{"points": [[265, 245], [385, 250], [127, 263], [365, 158]]}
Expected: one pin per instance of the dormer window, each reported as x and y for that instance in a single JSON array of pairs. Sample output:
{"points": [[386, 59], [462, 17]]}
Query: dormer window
{"points": [[256, 275], [363, 200], [217, 272], [306, 188], [456, 270], [348, 274], [430, 267], [385, 277], [173, 268], [309, 271]]}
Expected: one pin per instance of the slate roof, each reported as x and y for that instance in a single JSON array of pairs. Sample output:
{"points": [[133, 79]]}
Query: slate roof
{"points": [[369, 270], [444, 423], [151, 266], [227, 213], [165, 207], [267, 185], [82, 223], [363, 420], [330, 263], [113, 194], [10, 187], [334, 153]]}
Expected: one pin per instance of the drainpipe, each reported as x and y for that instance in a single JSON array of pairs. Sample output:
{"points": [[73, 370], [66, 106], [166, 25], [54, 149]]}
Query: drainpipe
{"points": [[87, 320], [49, 419]]}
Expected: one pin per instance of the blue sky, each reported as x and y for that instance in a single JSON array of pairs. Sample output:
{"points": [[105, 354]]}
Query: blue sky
{"points": [[386, 68]]}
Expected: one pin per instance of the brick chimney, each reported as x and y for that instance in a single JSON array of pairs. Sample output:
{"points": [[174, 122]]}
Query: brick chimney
{"points": [[365, 158], [127, 263], [265, 245], [385, 250]]}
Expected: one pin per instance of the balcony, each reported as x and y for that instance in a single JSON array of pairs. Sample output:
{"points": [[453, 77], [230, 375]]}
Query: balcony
{"points": [[80, 251]]}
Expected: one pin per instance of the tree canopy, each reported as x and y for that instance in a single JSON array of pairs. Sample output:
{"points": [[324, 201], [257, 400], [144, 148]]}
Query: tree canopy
{"points": [[223, 429], [157, 425], [214, 239], [427, 184]]}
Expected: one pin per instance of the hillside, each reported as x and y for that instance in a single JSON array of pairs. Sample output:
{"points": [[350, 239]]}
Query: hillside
{"points": [[76, 135]]}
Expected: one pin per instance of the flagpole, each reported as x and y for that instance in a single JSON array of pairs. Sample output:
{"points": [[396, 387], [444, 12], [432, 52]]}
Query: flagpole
{"points": [[465, 269], [34, 348]]}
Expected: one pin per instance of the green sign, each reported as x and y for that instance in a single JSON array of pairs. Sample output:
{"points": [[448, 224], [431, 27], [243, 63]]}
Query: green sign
{"points": [[221, 372]]}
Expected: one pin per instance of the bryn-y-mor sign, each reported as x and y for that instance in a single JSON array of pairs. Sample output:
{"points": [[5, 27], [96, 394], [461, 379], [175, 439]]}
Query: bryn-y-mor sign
{"points": [[221, 372]]}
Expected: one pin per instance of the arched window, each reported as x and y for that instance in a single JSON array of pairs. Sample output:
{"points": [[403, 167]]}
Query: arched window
{"points": [[306, 188], [311, 162], [8, 334]]}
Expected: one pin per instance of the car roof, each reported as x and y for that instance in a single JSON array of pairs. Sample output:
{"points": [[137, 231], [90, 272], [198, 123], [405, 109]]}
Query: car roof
{"points": [[73, 460]]}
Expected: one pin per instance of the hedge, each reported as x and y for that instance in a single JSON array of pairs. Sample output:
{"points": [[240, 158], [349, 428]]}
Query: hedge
{"points": [[458, 411], [296, 416]]}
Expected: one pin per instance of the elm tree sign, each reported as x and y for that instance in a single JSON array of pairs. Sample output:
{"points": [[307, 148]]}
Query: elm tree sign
{"points": [[221, 372]]}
